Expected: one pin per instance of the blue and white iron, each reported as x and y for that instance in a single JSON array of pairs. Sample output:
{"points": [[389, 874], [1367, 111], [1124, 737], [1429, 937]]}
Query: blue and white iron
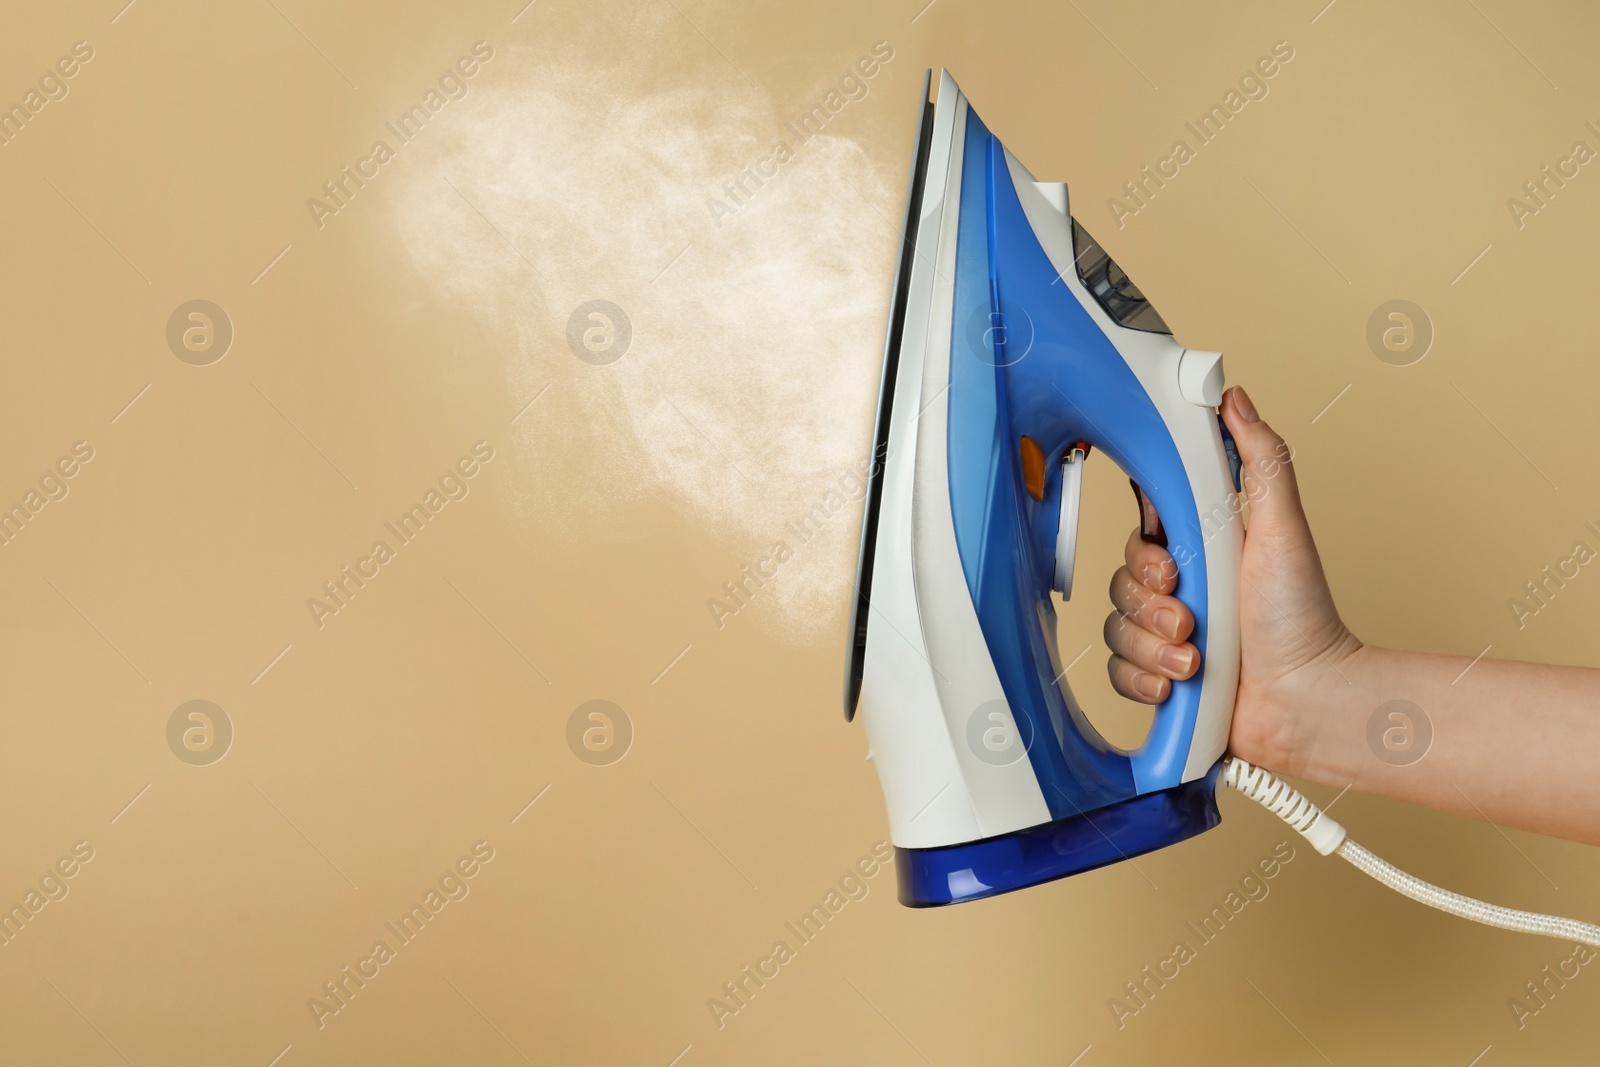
{"points": [[1015, 346]]}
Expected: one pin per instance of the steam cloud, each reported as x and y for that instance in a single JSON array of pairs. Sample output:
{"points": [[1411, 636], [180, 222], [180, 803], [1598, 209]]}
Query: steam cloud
{"points": [[748, 387]]}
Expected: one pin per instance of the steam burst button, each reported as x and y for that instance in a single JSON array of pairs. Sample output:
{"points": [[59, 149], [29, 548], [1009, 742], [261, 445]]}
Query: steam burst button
{"points": [[1200, 377]]}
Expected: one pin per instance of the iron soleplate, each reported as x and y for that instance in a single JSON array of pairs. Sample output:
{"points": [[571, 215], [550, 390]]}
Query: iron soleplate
{"points": [[862, 604]]}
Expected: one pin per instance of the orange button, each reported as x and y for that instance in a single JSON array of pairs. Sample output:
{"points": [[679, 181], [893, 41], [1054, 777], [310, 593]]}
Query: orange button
{"points": [[1033, 468]]}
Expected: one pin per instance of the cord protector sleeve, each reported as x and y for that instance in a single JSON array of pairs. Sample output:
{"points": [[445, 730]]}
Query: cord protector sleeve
{"points": [[1327, 836]]}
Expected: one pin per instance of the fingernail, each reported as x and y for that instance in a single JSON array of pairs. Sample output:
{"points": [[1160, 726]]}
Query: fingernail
{"points": [[1149, 686], [1241, 400], [1175, 658], [1166, 621]]}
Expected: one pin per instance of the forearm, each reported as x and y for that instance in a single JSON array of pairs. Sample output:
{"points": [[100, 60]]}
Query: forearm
{"points": [[1517, 744]]}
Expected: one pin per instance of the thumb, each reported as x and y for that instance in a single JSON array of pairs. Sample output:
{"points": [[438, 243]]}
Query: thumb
{"points": [[1268, 472]]}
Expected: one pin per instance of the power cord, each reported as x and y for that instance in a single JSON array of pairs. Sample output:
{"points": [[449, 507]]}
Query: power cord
{"points": [[1327, 836]]}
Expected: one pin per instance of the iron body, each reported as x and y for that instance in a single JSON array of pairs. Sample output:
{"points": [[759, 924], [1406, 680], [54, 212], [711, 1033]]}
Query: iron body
{"points": [[1015, 349]]}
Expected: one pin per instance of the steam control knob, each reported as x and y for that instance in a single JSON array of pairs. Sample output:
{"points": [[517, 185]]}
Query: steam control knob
{"points": [[1067, 530]]}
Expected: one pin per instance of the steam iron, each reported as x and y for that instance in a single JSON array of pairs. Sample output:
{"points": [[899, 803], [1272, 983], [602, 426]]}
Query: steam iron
{"points": [[1016, 347]]}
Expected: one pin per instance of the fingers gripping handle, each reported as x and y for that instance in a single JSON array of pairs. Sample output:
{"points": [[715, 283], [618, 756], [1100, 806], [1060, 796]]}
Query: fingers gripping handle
{"points": [[1188, 504], [1190, 730], [1160, 427]]}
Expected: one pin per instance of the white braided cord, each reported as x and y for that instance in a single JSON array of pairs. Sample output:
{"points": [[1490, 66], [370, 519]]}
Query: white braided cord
{"points": [[1290, 805], [1528, 922]]}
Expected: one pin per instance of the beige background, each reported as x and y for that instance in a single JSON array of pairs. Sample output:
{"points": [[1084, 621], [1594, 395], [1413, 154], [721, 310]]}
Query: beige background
{"points": [[426, 715]]}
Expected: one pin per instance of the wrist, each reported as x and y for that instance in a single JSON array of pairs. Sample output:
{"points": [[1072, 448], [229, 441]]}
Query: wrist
{"points": [[1303, 716], [1332, 705]]}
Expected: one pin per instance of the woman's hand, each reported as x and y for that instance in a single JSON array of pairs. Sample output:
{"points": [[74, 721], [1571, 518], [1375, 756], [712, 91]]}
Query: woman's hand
{"points": [[1291, 637], [1523, 738]]}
